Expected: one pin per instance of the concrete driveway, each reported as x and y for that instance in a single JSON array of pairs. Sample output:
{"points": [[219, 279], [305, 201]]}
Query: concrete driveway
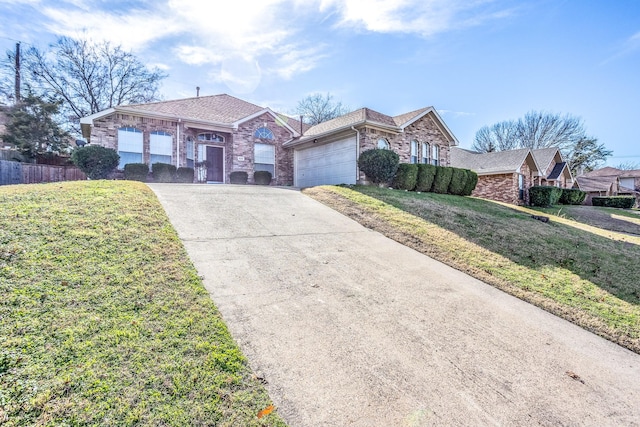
{"points": [[349, 328]]}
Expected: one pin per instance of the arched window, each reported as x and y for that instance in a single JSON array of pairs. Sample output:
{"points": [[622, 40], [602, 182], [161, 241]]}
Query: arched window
{"points": [[425, 153], [383, 144], [435, 158], [160, 147], [129, 146], [210, 137], [263, 133], [414, 152]]}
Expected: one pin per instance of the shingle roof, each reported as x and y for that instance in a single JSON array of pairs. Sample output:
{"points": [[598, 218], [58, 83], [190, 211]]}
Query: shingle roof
{"points": [[595, 183], [608, 171], [488, 163], [351, 119], [406, 117], [216, 108], [544, 156], [557, 170]]}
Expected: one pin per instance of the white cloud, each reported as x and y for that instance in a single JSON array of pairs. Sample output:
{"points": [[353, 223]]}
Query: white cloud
{"points": [[455, 113]]}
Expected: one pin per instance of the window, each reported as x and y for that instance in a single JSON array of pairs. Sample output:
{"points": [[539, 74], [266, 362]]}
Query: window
{"points": [[210, 137], [521, 186], [160, 147], [435, 158], [264, 158], [414, 152], [383, 144], [129, 146], [263, 133], [425, 153], [191, 152]]}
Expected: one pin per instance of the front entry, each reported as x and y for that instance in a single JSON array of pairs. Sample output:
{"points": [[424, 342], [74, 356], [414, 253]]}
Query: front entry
{"points": [[215, 164]]}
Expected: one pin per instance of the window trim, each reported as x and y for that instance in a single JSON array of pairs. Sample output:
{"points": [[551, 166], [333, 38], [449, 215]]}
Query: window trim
{"points": [[413, 152], [272, 147], [139, 154], [426, 151], [264, 132]]}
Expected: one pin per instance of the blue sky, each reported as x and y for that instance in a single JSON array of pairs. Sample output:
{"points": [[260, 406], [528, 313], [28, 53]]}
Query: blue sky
{"points": [[477, 61]]}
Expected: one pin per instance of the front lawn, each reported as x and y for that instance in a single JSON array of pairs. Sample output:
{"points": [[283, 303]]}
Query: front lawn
{"points": [[588, 276], [104, 320], [620, 220]]}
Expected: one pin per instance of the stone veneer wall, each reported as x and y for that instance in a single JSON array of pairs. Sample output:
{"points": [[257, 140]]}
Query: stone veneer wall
{"points": [[237, 145], [423, 130]]}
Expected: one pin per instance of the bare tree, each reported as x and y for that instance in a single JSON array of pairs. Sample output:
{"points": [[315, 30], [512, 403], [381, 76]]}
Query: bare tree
{"points": [[628, 166], [89, 77], [542, 130], [316, 108]]}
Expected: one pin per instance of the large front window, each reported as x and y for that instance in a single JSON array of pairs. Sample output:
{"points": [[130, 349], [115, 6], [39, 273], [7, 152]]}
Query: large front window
{"points": [[160, 147], [414, 151], [264, 158], [129, 146]]}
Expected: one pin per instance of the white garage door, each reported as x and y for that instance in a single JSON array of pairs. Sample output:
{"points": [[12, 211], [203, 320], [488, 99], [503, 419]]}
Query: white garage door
{"points": [[332, 163]]}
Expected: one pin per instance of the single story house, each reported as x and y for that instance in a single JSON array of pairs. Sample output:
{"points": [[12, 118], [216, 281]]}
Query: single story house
{"points": [[609, 181], [220, 134], [505, 176]]}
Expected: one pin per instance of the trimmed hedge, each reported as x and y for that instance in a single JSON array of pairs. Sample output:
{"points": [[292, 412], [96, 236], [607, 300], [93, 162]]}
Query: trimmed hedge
{"points": [[136, 171], [442, 180], [426, 175], [572, 196], [95, 161], [262, 177], [184, 175], [406, 177], [163, 172], [238, 177], [623, 202], [458, 181], [379, 165], [472, 181], [544, 196]]}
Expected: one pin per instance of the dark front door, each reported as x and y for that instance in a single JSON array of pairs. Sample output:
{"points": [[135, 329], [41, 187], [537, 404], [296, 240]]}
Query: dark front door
{"points": [[215, 164]]}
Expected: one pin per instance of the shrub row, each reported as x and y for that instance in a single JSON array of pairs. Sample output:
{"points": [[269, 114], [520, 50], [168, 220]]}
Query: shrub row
{"points": [[259, 177], [545, 196], [624, 202], [95, 161], [162, 172], [436, 179]]}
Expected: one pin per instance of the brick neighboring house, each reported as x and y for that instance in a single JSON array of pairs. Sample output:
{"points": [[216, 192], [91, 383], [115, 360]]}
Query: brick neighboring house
{"points": [[506, 176], [220, 134], [610, 181]]}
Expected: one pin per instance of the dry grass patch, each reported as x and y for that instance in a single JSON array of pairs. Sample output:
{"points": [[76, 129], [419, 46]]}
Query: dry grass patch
{"points": [[586, 278], [104, 320]]}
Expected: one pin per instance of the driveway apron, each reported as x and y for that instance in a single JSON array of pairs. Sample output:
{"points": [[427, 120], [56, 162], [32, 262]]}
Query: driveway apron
{"points": [[349, 328]]}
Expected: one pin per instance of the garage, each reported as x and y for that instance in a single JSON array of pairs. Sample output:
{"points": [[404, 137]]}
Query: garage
{"points": [[330, 163]]}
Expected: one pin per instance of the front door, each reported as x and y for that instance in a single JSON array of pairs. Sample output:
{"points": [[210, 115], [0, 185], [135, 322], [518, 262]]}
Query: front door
{"points": [[215, 164]]}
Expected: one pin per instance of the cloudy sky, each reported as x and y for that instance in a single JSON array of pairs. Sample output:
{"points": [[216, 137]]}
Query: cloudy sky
{"points": [[477, 61]]}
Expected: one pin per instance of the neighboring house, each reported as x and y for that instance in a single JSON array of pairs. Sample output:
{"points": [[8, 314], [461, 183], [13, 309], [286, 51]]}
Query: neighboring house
{"points": [[220, 134], [506, 176], [609, 181], [327, 153], [502, 175]]}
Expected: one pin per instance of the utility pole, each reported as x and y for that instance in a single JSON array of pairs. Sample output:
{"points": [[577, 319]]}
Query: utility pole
{"points": [[17, 72]]}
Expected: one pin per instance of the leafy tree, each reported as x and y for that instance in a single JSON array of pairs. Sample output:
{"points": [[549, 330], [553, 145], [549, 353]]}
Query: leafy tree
{"points": [[88, 77], [542, 130], [316, 108], [32, 127], [96, 161]]}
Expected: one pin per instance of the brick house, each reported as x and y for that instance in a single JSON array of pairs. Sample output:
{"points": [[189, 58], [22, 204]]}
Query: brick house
{"points": [[506, 176], [610, 181], [219, 134]]}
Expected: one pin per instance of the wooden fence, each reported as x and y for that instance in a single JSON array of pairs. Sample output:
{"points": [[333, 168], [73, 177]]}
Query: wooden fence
{"points": [[26, 173]]}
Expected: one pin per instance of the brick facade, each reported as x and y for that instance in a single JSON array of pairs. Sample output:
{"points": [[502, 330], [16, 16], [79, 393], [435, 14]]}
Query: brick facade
{"points": [[238, 144], [423, 130], [505, 187]]}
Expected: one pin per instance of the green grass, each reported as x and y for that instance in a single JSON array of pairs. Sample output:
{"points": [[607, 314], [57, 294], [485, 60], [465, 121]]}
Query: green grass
{"points": [[620, 220], [104, 320], [584, 274]]}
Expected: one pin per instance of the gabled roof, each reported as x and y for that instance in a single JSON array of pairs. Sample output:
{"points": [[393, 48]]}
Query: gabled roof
{"points": [[497, 162], [224, 110], [597, 183], [544, 156], [558, 169], [608, 171], [374, 118]]}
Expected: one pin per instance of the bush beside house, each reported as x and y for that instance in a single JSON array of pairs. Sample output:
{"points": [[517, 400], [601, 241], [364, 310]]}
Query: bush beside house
{"points": [[262, 177], [238, 177], [95, 161], [426, 175], [572, 196], [406, 177], [379, 165], [136, 171], [544, 196], [184, 175], [163, 172], [623, 202]]}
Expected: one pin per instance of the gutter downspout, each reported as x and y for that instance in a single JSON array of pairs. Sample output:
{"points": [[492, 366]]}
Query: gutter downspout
{"points": [[357, 152], [178, 143]]}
